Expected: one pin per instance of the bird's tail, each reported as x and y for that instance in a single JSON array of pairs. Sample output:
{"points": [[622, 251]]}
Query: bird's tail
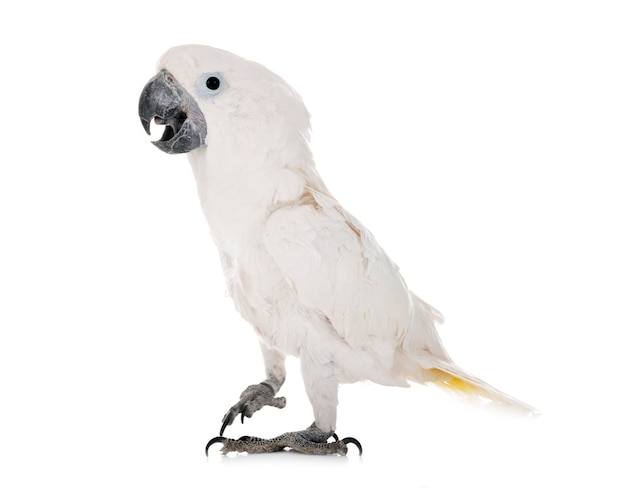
{"points": [[447, 375]]}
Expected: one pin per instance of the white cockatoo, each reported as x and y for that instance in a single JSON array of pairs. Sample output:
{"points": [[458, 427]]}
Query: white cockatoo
{"points": [[307, 275]]}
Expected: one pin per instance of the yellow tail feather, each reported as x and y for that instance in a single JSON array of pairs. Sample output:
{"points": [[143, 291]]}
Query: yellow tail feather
{"points": [[469, 386], [462, 386], [453, 383]]}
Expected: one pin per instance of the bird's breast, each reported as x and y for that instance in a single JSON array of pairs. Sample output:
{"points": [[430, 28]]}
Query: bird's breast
{"points": [[267, 301]]}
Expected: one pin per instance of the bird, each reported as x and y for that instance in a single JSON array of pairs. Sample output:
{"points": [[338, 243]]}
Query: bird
{"points": [[308, 276]]}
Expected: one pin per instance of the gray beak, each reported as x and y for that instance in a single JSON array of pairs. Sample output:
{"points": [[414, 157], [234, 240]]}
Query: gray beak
{"points": [[168, 103]]}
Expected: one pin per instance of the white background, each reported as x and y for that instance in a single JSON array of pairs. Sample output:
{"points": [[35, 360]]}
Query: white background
{"points": [[482, 142]]}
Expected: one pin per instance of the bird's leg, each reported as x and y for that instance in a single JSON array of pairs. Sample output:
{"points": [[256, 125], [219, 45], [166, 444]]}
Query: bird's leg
{"points": [[255, 397], [322, 388]]}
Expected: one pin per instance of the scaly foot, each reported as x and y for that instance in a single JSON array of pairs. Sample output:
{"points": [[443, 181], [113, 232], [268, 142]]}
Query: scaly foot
{"points": [[252, 399], [309, 441]]}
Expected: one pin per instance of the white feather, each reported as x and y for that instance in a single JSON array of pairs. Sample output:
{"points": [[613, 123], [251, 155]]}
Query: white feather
{"points": [[307, 275]]}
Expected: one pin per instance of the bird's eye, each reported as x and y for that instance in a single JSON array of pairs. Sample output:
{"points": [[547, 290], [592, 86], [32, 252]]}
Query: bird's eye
{"points": [[210, 85], [213, 83]]}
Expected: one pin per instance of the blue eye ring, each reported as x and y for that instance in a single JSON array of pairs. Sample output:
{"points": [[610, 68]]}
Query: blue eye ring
{"points": [[210, 85]]}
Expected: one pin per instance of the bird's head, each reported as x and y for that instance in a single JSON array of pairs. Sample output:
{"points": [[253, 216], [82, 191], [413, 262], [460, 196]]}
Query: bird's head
{"points": [[204, 96]]}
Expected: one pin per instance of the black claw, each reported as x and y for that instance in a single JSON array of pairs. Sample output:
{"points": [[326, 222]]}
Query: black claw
{"points": [[213, 441], [242, 417], [336, 437], [352, 440], [224, 425]]}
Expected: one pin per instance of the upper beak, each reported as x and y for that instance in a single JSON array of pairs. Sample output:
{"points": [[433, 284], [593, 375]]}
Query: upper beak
{"points": [[168, 103]]}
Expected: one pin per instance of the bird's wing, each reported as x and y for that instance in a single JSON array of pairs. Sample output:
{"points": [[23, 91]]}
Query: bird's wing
{"points": [[336, 267]]}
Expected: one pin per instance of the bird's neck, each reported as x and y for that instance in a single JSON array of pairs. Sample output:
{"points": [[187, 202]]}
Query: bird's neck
{"points": [[239, 189]]}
